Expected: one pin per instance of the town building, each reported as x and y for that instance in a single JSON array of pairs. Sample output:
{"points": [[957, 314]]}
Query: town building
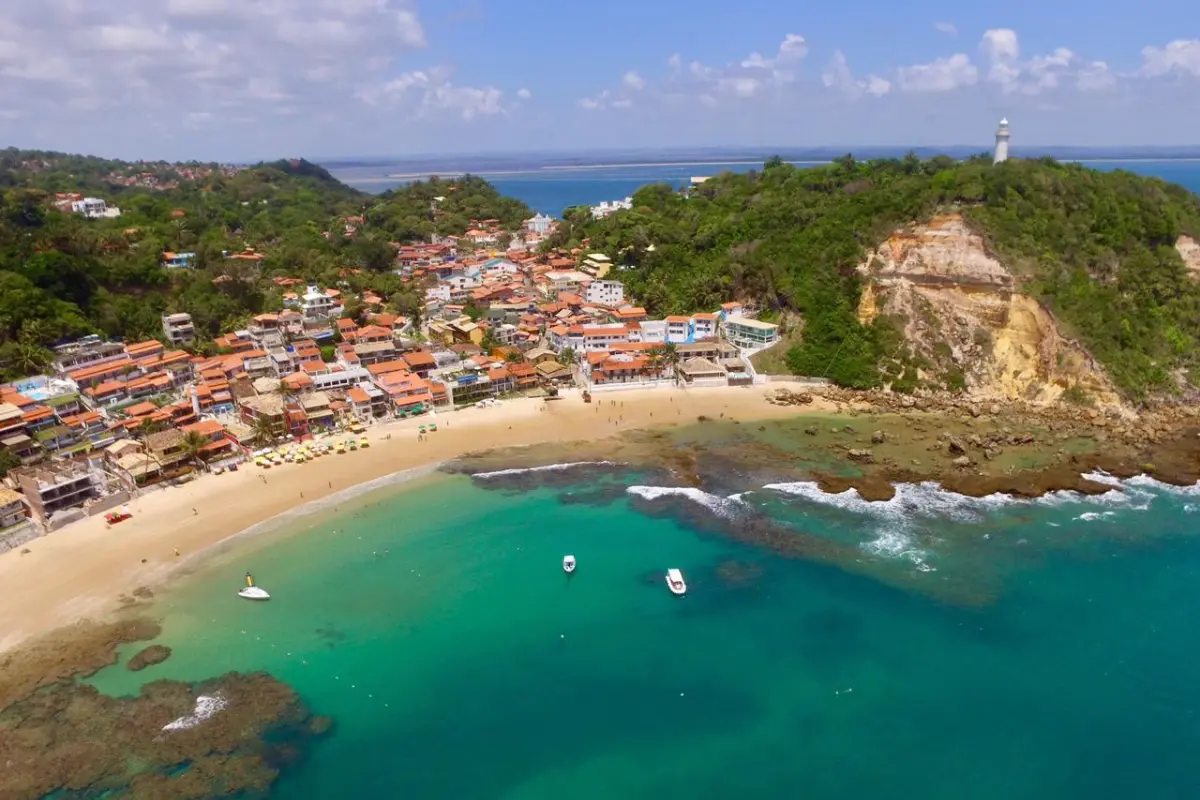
{"points": [[95, 208], [178, 260], [12, 508], [605, 293], [750, 334], [178, 328], [52, 489]]}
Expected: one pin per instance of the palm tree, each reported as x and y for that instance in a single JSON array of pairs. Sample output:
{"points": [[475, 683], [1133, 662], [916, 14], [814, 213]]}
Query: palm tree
{"points": [[144, 431], [264, 430], [671, 359], [193, 444], [285, 390]]}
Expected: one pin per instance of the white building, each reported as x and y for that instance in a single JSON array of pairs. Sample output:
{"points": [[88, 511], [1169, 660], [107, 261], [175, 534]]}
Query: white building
{"points": [[178, 328], [1002, 136], [704, 326], [603, 337], [94, 208], [316, 305], [611, 206], [605, 293], [653, 330], [678, 329], [539, 224], [750, 334]]}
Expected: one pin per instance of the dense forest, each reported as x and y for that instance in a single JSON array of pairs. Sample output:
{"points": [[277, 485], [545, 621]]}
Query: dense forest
{"points": [[62, 274], [1096, 247]]}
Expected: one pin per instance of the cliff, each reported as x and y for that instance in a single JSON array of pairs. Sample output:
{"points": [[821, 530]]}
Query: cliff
{"points": [[959, 308]]}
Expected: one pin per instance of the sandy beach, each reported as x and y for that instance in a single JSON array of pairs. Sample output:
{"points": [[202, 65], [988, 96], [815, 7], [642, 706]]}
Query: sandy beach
{"points": [[82, 570]]}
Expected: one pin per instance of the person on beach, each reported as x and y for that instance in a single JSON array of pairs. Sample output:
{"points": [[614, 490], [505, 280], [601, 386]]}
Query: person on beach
{"points": [[195, 513]]}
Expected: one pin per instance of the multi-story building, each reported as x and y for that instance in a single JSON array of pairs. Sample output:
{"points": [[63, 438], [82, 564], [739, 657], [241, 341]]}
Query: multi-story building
{"points": [[678, 329], [178, 328], [317, 305], [63, 486], [12, 508], [750, 333], [605, 293]]}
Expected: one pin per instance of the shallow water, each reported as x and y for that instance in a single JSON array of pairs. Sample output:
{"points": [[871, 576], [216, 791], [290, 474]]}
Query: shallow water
{"points": [[434, 622]]}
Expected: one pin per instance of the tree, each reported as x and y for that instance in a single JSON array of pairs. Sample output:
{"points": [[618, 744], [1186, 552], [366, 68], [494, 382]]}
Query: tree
{"points": [[567, 355], [265, 431], [193, 445], [7, 461]]}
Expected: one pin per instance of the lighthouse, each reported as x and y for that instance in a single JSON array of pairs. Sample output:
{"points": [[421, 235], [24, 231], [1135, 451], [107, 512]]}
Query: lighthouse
{"points": [[1002, 137]]}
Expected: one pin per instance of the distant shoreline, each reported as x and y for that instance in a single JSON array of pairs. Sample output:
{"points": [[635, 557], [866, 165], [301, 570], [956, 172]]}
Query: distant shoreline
{"points": [[569, 168]]}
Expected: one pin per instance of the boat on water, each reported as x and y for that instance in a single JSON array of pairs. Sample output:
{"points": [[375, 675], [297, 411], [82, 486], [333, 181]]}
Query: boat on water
{"points": [[675, 582], [252, 592], [568, 564]]}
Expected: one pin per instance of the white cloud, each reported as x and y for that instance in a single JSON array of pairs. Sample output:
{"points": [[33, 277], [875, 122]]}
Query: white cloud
{"points": [[632, 80], [428, 92], [145, 55], [1039, 74], [837, 75], [524, 93], [947, 28], [940, 75], [742, 86], [1181, 56], [675, 63]]}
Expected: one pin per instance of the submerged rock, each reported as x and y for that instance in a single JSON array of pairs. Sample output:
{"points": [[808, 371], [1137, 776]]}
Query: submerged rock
{"points": [[154, 654], [229, 736]]}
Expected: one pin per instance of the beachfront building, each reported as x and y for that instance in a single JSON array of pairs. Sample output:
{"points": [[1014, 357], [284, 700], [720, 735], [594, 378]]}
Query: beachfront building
{"points": [[53, 489], [12, 508], [750, 334], [178, 328]]}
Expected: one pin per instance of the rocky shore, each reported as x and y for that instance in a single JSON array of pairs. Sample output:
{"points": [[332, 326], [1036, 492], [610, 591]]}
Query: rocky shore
{"points": [[229, 736]]}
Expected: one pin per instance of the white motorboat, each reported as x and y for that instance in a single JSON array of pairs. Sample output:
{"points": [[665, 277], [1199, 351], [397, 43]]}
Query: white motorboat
{"points": [[675, 582], [252, 592], [568, 564]]}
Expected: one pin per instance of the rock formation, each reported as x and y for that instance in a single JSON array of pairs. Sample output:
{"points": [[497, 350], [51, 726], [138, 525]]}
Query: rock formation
{"points": [[959, 308]]}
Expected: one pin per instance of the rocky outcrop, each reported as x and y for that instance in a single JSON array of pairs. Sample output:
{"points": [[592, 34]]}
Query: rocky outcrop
{"points": [[960, 309], [154, 654], [1189, 250]]}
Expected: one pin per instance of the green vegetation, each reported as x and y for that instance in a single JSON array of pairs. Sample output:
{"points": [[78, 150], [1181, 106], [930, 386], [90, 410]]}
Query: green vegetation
{"points": [[62, 275], [1096, 247], [416, 212]]}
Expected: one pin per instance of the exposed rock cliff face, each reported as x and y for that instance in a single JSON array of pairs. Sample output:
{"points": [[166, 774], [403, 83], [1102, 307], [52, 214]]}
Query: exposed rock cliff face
{"points": [[959, 308], [1189, 251]]}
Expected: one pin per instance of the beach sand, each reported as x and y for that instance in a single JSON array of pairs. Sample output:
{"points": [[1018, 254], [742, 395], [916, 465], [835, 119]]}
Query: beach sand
{"points": [[82, 570]]}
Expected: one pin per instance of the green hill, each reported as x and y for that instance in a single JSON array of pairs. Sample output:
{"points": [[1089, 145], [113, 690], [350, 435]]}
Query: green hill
{"points": [[1097, 248]]}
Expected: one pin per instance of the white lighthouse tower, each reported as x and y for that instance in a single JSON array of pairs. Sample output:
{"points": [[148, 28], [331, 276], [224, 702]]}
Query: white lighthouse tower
{"points": [[1002, 137]]}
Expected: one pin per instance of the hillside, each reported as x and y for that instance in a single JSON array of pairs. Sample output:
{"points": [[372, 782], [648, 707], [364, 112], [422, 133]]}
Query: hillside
{"points": [[62, 275], [1063, 276]]}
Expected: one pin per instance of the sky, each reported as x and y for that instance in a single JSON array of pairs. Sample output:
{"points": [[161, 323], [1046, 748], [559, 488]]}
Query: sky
{"points": [[243, 80]]}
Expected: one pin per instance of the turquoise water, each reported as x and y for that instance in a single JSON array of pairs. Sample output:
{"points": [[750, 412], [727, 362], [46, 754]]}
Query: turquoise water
{"points": [[551, 191], [435, 624]]}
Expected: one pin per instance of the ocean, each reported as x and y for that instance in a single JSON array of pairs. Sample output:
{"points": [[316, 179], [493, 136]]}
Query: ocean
{"points": [[939, 646], [550, 190]]}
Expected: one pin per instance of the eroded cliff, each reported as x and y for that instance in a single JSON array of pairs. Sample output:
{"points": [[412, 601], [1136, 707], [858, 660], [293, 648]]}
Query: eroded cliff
{"points": [[960, 309]]}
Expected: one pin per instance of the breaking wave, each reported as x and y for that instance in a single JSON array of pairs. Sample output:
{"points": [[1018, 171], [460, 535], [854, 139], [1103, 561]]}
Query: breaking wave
{"points": [[206, 706], [548, 468], [714, 502]]}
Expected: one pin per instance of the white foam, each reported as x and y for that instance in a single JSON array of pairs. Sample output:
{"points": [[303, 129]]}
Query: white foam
{"points": [[715, 503], [1092, 516], [547, 468], [206, 706]]}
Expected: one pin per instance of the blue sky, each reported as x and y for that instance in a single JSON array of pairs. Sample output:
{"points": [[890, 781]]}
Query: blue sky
{"points": [[248, 79]]}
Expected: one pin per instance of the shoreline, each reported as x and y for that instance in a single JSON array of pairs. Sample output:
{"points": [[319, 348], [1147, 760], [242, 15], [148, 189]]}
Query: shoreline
{"points": [[86, 570]]}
